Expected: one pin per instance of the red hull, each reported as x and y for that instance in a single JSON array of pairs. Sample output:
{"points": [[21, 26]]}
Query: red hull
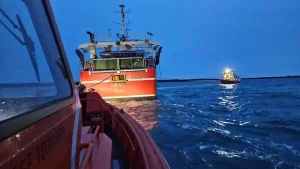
{"points": [[138, 84]]}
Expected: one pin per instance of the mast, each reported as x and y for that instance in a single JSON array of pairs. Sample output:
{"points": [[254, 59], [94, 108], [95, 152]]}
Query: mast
{"points": [[123, 24]]}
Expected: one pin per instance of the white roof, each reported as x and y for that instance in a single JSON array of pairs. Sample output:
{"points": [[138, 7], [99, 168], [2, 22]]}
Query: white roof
{"points": [[131, 43]]}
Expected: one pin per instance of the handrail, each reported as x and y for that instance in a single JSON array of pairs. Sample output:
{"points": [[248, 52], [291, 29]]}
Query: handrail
{"points": [[96, 133], [154, 146], [89, 147], [87, 156], [101, 112], [127, 135], [136, 136]]}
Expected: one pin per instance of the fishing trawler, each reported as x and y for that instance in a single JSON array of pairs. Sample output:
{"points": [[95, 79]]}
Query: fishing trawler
{"points": [[48, 122], [229, 77], [124, 69]]}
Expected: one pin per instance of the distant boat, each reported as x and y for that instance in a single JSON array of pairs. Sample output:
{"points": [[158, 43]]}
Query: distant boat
{"points": [[229, 77]]}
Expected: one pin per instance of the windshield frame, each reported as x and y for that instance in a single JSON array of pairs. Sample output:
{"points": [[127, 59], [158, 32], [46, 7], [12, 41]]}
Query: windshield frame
{"points": [[118, 64], [13, 125]]}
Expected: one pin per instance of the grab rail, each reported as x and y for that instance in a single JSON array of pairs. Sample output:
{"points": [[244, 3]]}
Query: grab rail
{"points": [[101, 111], [139, 142], [126, 134], [87, 156]]}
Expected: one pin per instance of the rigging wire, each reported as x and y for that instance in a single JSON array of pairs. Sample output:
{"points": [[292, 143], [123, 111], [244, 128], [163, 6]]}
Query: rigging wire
{"points": [[159, 72], [100, 81]]}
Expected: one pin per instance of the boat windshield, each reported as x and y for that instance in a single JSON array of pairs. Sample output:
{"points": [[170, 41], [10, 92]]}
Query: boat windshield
{"points": [[105, 64], [118, 64], [131, 63], [32, 73]]}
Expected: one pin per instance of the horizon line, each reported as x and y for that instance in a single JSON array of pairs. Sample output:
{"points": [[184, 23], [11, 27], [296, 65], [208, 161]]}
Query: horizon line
{"points": [[249, 78]]}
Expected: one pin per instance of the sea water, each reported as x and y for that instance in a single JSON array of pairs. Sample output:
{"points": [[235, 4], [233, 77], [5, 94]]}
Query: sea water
{"points": [[204, 125]]}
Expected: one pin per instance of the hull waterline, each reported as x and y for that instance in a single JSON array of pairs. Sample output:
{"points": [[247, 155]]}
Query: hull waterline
{"points": [[229, 81]]}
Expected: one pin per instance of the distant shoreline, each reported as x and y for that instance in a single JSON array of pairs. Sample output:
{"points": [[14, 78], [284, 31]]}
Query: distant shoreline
{"points": [[212, 79]]}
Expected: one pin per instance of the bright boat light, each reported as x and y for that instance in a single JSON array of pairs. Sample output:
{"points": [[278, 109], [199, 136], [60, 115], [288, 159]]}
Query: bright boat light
{"points": [[227, 70]]}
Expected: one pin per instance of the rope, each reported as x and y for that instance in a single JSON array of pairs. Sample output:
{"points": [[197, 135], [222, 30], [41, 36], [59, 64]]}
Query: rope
{"points": [[159, 71], [101, 81]]}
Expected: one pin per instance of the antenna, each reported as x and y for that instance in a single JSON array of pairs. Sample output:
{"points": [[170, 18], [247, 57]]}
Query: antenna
{"points": [[123, 24], [127, 37], [109, 34], [150, 35]]}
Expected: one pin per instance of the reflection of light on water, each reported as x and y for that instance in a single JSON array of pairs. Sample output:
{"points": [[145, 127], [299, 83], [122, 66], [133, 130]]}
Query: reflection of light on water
{"points": [[143, 112], [228, 122], [228, 102], [232, 154], [228, 86]]}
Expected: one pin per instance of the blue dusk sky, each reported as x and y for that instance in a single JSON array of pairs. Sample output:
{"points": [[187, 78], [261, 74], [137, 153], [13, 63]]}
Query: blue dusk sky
{"points": [[199, 37]]}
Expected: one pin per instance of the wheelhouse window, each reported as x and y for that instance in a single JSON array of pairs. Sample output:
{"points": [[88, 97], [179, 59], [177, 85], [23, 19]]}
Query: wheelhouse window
{"points": [[125, 63], [33, 74], [118, 63], [132, 63], [138, 63], [105, 64]]}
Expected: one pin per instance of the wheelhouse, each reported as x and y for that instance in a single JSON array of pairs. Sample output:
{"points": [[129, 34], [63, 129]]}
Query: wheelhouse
{"points": [[118, 60], [119, 55]]}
